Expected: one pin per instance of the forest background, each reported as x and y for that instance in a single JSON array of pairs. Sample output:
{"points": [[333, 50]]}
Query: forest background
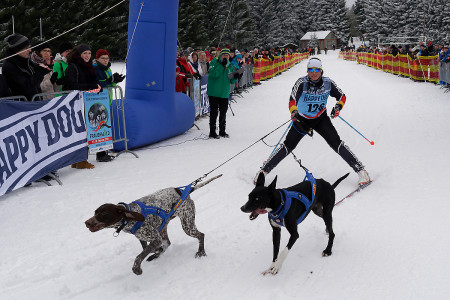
{"points": [[249, 23]]}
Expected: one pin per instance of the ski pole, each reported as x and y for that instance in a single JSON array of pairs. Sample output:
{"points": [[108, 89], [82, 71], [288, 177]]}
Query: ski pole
{"points": [[371, 142]]}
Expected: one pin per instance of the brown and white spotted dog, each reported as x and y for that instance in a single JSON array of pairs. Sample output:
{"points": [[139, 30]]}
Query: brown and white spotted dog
{"points": [[152, 240]]}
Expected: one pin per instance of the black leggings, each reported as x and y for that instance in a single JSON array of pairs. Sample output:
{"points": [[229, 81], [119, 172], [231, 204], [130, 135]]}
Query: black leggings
{"points": [[323, 126]]}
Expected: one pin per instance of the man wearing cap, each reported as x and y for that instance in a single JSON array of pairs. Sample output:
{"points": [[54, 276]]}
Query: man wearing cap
{"points": [[218, 91], [22, 75], [308, 107]]}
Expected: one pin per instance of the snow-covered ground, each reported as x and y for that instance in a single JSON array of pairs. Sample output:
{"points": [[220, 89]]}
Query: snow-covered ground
{"points": [[392, 239]]}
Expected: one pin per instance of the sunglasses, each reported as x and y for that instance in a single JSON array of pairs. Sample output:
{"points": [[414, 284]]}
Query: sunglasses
{"points": [[314, 70]]}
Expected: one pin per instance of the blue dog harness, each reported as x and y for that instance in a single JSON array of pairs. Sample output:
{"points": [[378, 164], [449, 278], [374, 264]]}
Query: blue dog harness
{"points": [[156, 211], [286, 199]]}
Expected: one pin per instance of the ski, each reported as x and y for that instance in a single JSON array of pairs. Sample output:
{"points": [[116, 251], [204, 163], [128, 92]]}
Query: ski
{"points": [[360, 188]]}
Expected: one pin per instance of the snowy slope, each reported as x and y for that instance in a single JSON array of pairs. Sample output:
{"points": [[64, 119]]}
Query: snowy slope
{"points": [[391, 241]]}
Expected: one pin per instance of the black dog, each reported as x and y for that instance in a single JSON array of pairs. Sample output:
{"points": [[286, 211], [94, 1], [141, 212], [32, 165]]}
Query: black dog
{"points": [[269, 199]]}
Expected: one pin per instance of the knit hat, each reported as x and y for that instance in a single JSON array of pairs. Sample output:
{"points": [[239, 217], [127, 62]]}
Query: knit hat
{"points": [[16, 42], [315, 63], [224, 51], [101, 52], [64, 46], [83, 47], [41, 46]]}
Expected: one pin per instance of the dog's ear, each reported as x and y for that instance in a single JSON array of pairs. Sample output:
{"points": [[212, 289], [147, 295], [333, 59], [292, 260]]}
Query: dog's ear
{"points": [[273, 185], [134, 216], [261, 179]]}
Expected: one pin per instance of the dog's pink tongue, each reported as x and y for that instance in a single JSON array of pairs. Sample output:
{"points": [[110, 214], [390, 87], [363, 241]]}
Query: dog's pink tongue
{"points": [[260, 211]]}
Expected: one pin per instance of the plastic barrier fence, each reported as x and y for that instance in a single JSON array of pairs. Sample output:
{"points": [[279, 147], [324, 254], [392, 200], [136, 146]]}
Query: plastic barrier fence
{"points": [[423, 68]]}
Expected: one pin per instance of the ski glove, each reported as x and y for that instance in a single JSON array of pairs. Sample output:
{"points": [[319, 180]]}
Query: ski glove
{"points": [[295, 116], [116, 77], [336, 110]]}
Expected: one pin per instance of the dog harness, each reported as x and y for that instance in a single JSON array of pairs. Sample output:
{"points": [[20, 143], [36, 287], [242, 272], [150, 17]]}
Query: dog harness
{"points": [[156, 211], [286, 199]]}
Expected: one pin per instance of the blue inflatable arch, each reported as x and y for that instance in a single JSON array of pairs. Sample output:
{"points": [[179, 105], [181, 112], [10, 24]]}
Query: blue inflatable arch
{"points": [[153, 110]]}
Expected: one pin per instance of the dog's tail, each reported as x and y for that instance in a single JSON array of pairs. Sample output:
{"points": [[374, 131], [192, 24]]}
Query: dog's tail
{"points": [[206, 182], [339, 180]]}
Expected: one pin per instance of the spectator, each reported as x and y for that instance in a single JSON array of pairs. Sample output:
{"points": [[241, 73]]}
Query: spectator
{"points": [[185, 67], [423, 51], [444, 56], [193, 62], [102, 66], [42, 54], [105, 78], [60, 64], [204, 63], [218, 90], [22, 75], [180, 85], [81, 75]]}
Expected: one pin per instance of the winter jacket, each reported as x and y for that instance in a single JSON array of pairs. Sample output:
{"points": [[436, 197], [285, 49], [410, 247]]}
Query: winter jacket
{"points": [[204, 67], [218, 81], [80, 75], [60, 67], [23, 76], [103, 74], [4, 89], [235, 62], [46, 85]]}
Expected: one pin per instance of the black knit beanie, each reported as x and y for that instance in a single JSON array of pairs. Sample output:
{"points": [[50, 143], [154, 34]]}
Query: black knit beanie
{"points": [[16, 42], [83, 47]]}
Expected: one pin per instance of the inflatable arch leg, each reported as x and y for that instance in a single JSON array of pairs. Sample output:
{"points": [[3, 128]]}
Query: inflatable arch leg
{"points": [[153, 110]]}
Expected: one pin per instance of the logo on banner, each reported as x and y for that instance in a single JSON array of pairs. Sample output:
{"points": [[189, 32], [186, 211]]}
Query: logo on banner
{"points": [[97, 111]]}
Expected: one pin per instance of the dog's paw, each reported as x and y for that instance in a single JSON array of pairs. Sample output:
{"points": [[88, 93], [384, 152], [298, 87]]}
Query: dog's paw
{"points": [[274, 269], [137, 270], [153, 256], [200, 254], [326, 253]]}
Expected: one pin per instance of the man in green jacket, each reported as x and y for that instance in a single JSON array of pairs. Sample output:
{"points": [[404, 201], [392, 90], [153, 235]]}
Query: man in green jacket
{"points": [[218, 91]]}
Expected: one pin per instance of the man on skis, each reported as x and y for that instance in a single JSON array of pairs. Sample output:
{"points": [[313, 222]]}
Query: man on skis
{"points": [[308, 106]]}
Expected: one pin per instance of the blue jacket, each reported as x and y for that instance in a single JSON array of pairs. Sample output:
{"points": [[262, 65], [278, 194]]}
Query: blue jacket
{"points": [[103, 74]]}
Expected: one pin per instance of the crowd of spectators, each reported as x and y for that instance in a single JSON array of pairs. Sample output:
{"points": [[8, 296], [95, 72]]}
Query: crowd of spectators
{"points": [[414, 51], [194, 63], [30, 71]]}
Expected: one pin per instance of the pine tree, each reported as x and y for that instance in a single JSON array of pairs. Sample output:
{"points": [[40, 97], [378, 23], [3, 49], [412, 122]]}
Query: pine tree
{"points": [[239, 28], [191, 32]]}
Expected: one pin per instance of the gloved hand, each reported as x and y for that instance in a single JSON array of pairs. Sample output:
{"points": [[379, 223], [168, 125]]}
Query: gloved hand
{"points": [[236, 75], [197, 76], [295, 116], [224, 62], [336, 110], [116, 77], [61, 81], [54, 77]]}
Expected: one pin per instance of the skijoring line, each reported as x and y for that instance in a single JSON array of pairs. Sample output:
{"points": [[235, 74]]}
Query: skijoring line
{"points": [[239, 153]]}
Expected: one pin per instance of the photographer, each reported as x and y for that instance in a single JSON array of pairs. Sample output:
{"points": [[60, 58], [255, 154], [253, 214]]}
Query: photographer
{"points": [[218, 91]]}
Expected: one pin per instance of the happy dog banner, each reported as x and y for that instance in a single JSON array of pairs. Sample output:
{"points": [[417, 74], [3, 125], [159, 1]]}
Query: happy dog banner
{"points": [[98, 121], [39, 137]]}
